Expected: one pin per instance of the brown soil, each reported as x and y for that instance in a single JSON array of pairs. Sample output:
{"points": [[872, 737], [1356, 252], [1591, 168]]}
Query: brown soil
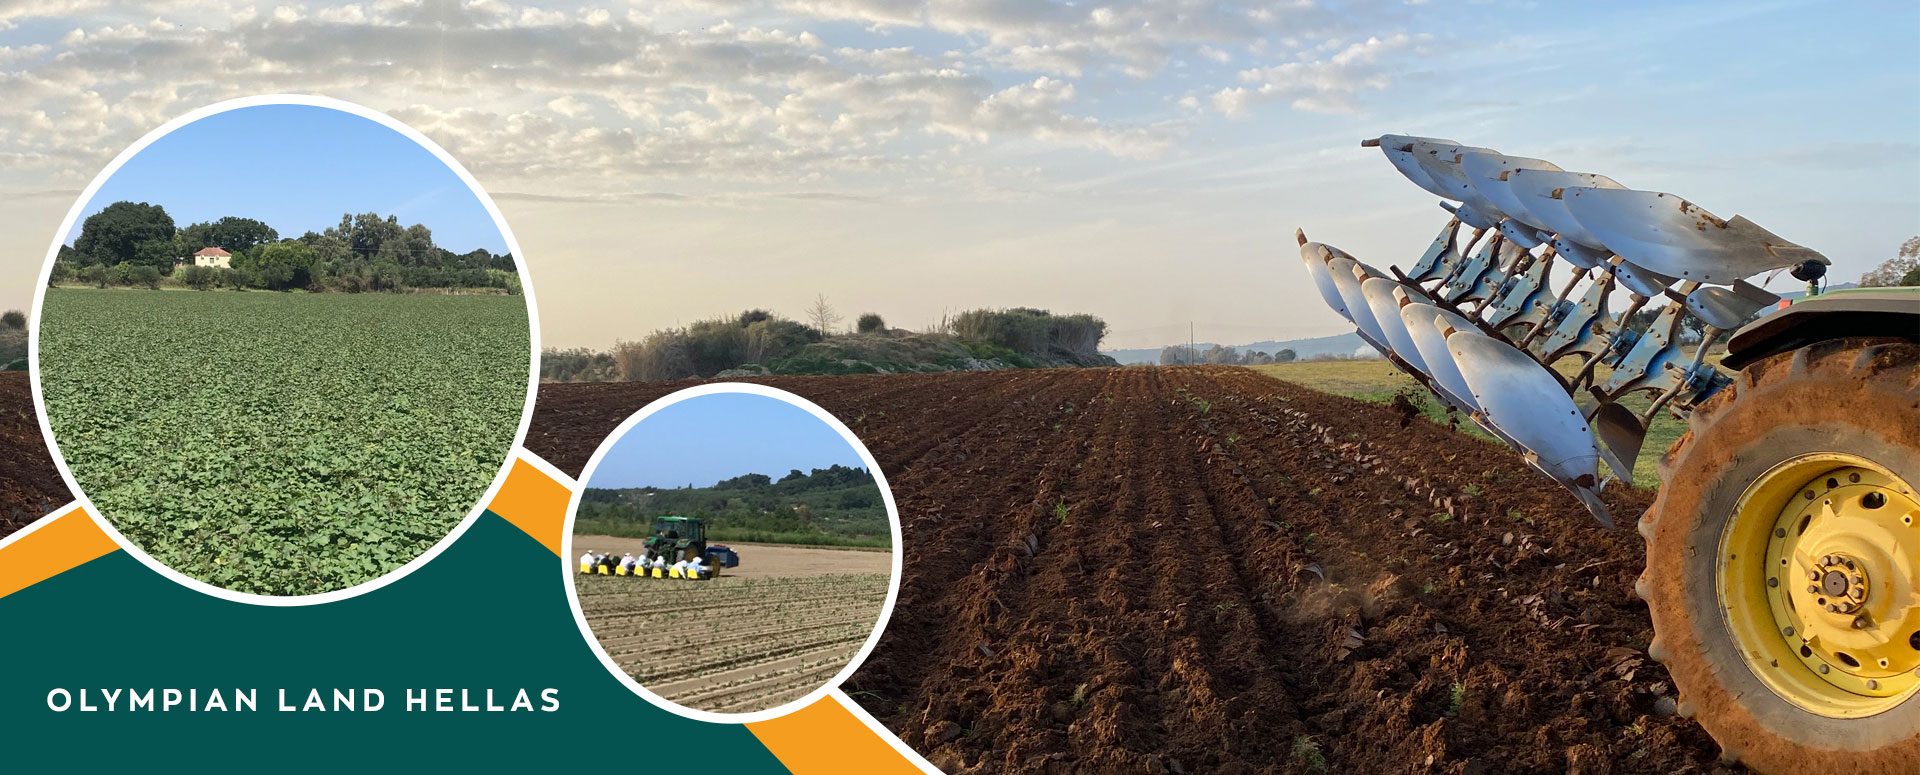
{"points": [[757, 560], [29, 484], [1204, 570]]}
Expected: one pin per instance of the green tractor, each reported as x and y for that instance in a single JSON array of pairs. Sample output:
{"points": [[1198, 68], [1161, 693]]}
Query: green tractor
{"points": [[684, 539]]}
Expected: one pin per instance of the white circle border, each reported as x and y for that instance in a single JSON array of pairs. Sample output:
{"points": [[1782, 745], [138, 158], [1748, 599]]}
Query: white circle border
{"points": [[567, 566], [526, 292]]}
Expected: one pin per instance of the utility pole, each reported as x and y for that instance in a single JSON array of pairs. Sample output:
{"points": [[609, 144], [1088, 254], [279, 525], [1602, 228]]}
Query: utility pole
{"points": [[1190, 354]]}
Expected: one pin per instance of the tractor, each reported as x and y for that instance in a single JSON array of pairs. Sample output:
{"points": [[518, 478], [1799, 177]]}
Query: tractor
{"points": [[685, 538], [1782, 551]]}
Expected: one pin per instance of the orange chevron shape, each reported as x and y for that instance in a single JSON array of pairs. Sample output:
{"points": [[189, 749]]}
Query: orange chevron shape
{"points": [[55, 547], [825, 739], [535, 503]]}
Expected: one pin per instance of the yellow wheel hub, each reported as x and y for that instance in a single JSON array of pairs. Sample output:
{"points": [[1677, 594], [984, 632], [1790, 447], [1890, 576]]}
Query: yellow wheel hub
{"points": [[1819, 576]]}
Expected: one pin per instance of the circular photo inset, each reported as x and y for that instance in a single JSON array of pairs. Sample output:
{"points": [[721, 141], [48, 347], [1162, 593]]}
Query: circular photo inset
{"points": [[733, 553], [284, 349]]}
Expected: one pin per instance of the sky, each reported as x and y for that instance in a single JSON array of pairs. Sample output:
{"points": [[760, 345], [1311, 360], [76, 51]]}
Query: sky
{"points": [[704, 439], [1146, 162], [298, 168]]}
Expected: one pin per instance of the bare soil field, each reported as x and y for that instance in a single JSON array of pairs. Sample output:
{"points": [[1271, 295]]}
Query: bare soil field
{"points": [[30, 486], [759, 560], [1205, 570], [734, 644]]}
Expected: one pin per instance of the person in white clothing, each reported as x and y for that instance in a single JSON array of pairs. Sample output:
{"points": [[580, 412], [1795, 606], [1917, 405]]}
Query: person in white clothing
{"points": [[626, 561], [587, 559]]}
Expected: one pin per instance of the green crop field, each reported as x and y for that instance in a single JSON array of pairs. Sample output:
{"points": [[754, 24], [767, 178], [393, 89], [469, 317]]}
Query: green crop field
{"points": [[1378, 380], [279, 443]]}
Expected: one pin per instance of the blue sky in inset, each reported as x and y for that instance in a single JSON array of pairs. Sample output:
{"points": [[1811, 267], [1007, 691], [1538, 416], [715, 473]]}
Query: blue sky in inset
{"points": [[704, 439], [298, 168]]}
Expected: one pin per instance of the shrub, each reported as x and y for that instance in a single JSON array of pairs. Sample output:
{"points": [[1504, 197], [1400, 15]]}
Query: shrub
{"points": [[1032, 331], [660, 356], [199, 278], [870, 323], [13, 320], [143, 275]]}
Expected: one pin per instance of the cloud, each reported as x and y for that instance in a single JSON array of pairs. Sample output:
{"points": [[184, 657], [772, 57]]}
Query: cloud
{"points": [[698, 93], [1330, 85]]}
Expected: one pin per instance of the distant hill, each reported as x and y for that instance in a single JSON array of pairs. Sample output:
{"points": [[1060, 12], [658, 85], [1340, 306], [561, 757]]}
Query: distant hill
{"points": [[1338, 344], [834, 506]]}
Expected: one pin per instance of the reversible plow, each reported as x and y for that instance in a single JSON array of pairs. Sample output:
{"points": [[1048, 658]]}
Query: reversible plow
{"points": [[1481, 321], [1783, 549]]}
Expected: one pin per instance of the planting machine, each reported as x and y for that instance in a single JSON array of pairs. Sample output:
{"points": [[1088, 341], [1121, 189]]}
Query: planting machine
{"points": [[674, 541], [1783, 554]]}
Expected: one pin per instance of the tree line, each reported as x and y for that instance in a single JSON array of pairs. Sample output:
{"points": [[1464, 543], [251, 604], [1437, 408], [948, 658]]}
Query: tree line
{"points": [[137, 244], [1020, 337], [833, 505], [1182, 355]]}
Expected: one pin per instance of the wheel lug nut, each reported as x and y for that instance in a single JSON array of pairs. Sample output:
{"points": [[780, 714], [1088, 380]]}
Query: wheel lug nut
{"points": [[1813, 575], [1813, 590], [1824, 669], [1833, 609], [1773, 582], [1859, 622], [1872, 684]]}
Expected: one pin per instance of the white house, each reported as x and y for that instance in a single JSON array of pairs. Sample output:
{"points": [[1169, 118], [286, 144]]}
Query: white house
{"points": [[212, 257]]}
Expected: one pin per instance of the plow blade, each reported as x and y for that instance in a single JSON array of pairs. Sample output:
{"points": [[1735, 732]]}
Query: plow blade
{"points": [[1399, 151], [1674, 237], [1347, 274], [1383, 297], [1420, 319], [1621, 434], [1532, 410], [1315, 256], [1488, 172]]}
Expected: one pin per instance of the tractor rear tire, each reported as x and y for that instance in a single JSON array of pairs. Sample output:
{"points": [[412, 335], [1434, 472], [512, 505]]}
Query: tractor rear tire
{"points": [[1851, 407]]}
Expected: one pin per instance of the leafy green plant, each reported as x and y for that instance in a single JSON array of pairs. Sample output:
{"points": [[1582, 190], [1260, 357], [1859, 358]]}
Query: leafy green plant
{"points": [[280, 444]]}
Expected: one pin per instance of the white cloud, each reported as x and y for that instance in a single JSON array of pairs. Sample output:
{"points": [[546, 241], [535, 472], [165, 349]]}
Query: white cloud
{"points": [[761, 92], [1329, 85]]}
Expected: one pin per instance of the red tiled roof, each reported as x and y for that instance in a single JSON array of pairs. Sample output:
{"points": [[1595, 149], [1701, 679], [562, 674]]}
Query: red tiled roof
{"points": [[212, 252]]}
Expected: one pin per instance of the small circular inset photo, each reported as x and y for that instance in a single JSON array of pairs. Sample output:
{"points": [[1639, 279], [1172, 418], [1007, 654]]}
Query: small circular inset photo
{"points": [[733, 554], [283, 347]]}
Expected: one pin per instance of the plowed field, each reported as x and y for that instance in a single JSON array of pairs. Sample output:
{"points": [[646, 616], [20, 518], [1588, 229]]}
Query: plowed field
{"points": [[29, 484], [1204, 570], [782, 637]]}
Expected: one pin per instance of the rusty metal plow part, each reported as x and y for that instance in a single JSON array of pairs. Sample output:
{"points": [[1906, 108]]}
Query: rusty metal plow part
{"points": [[1481, 321]]}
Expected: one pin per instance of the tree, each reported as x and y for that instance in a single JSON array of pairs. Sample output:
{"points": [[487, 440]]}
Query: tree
{"points": [[95, 274], [114, 235], [1176, 355], [13, 320], [156, 254], [1902, 269], [61, 271], [822, 315], [870, 323], [233, 234], [366, 233], [285, 264], [1285, 356]]}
